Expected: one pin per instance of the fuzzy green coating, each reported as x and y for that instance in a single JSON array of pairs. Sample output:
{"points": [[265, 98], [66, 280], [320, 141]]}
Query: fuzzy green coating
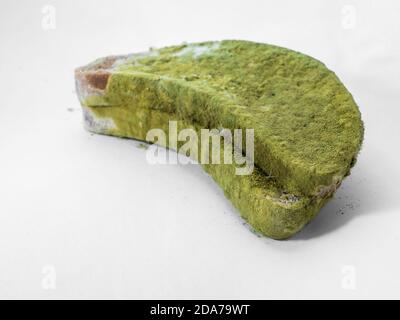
{"points": [[308, 129]]}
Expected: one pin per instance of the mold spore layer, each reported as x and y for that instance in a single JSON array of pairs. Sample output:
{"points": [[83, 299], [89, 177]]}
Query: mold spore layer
{"points": [[308, 130]]}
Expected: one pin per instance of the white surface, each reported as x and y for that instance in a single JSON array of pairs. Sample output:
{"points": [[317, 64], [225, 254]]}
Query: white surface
{"points": [[91, 211]]}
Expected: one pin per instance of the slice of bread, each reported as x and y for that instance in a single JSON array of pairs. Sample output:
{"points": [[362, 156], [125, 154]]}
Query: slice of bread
{"points": [[307, 127]]}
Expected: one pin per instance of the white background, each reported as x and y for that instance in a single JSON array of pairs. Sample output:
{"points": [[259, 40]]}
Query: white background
{"points": [[85, 216]]}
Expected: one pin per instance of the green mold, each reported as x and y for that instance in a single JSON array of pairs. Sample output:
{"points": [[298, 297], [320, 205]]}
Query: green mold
{"points": [[307, 127]]}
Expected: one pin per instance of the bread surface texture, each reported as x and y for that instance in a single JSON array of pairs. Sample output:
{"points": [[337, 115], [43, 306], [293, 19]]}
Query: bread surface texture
{"points": [[307, 127]]}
